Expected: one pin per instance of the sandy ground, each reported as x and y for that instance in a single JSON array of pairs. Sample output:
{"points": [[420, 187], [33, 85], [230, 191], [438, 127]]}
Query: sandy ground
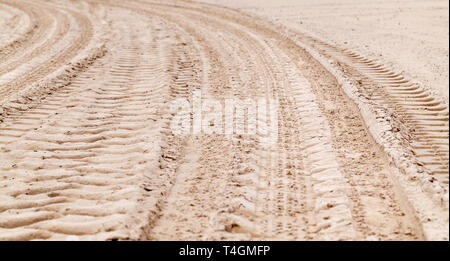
{"points": [[411, 36], [94, 95]]}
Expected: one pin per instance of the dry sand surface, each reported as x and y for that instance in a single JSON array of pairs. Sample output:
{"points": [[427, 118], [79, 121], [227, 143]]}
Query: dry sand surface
{"points": [[410, 36], [90, 141]]}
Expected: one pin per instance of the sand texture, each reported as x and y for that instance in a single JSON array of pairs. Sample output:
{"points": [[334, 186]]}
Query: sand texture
{"points": [[90, 91]]}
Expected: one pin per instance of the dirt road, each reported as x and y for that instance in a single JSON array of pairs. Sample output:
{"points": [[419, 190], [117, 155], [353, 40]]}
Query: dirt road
{"points": [[88, 149]]}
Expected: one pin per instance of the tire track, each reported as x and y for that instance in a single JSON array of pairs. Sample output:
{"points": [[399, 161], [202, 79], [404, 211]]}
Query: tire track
{"points": [[233, 210], [424, 116], [51, 29], [80, 166], [33, 30], [72, 33]]}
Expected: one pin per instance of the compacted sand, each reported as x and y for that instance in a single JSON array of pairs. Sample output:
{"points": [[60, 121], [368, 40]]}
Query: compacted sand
{"points": [[89, 149]]}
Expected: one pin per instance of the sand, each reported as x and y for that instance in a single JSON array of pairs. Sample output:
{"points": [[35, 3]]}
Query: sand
{"points": [[114, 125], [410, 36]]}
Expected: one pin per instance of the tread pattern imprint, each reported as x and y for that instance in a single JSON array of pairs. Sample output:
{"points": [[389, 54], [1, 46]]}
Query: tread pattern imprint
{"points": [[96, 158]]}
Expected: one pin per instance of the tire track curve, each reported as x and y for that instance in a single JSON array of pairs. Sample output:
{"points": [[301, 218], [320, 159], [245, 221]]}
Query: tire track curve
{"points": [[70, 32]]}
